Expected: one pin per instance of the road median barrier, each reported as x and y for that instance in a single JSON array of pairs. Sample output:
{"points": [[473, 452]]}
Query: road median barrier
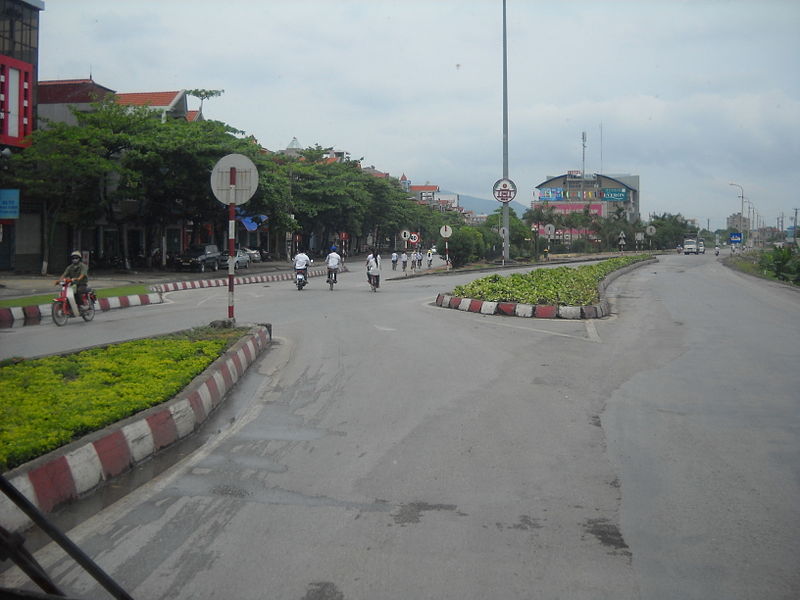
{"points": [[541, 311], [83, 466]]}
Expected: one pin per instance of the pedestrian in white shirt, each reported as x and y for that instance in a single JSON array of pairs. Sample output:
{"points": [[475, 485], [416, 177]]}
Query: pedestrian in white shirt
{"points": [[374, 269]]}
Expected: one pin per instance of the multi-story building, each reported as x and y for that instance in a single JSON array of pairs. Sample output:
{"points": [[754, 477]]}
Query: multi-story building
{"points": [[604, 194], [737, 222], [19, 60]]}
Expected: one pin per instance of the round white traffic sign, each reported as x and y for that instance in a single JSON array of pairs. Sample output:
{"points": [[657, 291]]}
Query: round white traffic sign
{"points": [[549, 229], [446, 231], [405, 234], [650, 230], [234, 179], [504, 190]]}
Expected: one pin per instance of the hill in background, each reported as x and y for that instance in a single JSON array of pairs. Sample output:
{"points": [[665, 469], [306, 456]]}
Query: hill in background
{"points": [[482, 206]]}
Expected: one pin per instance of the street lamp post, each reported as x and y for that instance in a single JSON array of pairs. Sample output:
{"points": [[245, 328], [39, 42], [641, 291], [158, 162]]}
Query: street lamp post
{"points": [[741, 213]]}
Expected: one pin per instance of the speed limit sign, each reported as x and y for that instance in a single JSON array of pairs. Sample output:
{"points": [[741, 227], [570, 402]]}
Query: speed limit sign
{"points": [[413, 238]]}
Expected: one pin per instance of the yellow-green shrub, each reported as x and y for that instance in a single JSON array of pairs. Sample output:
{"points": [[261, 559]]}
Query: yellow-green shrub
{"points": [[47, 402]]}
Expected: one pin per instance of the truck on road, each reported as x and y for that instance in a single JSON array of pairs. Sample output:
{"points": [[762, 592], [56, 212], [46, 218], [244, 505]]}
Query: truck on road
{"points": [[690, 245]]}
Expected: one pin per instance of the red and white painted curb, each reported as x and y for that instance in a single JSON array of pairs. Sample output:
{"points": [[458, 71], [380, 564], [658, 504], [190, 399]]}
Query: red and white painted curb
{"points": [[33, 315], [204, 283], [541, 311], [518, 309], [83, 465]]}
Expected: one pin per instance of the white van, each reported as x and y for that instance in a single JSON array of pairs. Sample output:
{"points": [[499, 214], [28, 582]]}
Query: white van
{"points": [[689, 246]]}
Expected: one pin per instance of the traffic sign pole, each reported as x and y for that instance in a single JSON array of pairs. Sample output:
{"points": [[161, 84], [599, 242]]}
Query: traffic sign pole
{"points": [[231, 240], [446, 231], [232, 170]]}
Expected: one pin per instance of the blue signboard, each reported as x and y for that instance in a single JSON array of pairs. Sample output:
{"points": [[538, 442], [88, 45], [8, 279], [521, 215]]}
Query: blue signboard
{"points": [[551, 194], [615, 194], [9, 204], [735, 238]]}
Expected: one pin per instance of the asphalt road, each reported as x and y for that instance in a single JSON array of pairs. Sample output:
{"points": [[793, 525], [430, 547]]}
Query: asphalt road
{"points": [[387, 448]]}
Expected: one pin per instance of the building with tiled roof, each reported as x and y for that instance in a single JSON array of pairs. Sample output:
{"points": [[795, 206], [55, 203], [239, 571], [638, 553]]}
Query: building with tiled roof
{"points": [[56, 96], [169, 104]]}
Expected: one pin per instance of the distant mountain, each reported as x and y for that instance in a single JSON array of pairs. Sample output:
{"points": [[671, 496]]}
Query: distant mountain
{"points": [[482, 206]]}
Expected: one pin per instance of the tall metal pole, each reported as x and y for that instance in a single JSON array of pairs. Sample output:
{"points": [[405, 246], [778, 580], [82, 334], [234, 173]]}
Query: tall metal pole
{"points": [[505, 135], [741, 213], [231, 242]]}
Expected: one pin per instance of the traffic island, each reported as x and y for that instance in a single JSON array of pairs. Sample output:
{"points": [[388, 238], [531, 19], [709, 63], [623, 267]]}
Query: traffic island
{"points": [[541, 311], [83, 466]]}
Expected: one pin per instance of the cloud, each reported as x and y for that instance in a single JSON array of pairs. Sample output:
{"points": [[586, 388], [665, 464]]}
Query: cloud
{"points": [[691, 95]]}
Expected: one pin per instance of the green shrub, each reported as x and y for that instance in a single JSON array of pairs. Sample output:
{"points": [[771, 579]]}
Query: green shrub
{"points": [[564, 286], [47, 402], [782, 263]]}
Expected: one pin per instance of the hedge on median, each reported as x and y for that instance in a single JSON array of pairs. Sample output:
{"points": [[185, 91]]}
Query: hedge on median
{"points": [[46, 403], [562, 286]]}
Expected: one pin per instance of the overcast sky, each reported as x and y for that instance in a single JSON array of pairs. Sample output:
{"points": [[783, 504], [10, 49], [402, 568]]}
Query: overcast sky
{"points": [[691, 95]]}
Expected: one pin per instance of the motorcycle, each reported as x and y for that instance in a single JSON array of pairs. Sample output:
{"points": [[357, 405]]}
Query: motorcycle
{"points": [[301, 277], [716, 251], [65, 305]]}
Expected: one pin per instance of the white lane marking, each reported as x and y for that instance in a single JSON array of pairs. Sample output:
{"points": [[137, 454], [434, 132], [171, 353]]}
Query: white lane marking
{"points": [[591, 331]]}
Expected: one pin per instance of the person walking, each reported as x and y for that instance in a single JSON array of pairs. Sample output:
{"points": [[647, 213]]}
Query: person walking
{"points": [[374, 269], [404, 262], [430, 258], [419, 260], [394, 261]]}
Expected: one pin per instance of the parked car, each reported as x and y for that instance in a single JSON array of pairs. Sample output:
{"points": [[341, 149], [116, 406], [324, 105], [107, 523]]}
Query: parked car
{"points": [[254, 254], [201, 257], [241, 258]]}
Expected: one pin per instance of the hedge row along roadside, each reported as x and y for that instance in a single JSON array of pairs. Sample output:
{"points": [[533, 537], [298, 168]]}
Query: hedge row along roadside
{"points": [[560, 286], [48, 402]]}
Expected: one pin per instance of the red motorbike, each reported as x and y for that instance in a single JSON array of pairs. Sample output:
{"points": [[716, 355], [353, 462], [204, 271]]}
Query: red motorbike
{"points": [[65, 305]]}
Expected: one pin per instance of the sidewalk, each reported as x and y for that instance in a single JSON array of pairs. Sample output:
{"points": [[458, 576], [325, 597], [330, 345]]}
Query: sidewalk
{"points": [[14, 285]]}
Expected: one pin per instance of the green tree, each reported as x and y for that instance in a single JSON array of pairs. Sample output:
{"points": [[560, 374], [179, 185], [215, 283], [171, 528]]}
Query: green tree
{"points": [[465, 246]]}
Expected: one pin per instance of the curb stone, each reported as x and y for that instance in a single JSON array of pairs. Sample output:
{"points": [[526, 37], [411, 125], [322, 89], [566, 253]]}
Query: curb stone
{"points": [[34, 315], [82, 466], [542, 311]]}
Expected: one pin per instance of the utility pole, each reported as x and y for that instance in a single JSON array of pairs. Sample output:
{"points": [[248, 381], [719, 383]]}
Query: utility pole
{"points": [[794, 236], [506, 253]]}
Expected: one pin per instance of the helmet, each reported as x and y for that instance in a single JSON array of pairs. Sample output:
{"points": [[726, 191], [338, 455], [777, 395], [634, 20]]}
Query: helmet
{"points": [[333, 248], [76, 254]]}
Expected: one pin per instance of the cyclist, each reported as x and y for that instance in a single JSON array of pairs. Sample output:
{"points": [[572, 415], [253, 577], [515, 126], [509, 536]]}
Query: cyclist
{"points": [[333, 260], [78, 272]]}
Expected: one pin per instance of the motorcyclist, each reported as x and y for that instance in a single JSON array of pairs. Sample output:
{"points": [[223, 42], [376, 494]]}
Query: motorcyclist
{"points": [[78, 272], [333, 260], [716, 250], [301, 262]]}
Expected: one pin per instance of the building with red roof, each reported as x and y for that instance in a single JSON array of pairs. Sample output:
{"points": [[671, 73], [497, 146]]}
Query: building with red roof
{"points": [[56, 97], [169, 104]]}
